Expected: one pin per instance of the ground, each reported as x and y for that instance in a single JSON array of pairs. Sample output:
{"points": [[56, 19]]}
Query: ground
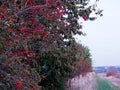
{"points": [[89, 82], [115, 79]]}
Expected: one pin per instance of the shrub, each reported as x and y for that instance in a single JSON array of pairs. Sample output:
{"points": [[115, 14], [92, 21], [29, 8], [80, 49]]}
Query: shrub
{"points": [[111, 72], [104, 84], [84, 61], [37, 39]]}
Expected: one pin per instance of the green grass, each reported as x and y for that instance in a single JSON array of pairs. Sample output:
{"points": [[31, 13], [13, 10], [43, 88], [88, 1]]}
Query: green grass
{"points": [[103, 84]]}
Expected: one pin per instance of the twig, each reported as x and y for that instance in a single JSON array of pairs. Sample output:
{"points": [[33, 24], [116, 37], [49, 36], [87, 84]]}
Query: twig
{"points": [[23, 10]]}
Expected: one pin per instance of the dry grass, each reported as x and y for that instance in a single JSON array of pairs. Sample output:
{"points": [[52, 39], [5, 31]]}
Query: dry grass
{"points": [[92, 82], [82, 82]]}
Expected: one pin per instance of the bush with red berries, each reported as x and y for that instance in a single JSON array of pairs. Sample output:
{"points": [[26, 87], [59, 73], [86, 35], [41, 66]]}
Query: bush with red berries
{"points": [[37, 48]]}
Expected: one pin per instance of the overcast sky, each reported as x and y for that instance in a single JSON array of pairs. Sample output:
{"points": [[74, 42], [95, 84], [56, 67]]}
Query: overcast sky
{"points": [[103, 35]]}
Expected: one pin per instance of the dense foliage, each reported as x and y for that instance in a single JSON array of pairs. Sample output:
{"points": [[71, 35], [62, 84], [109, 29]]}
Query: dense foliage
{"points": [[37, 48]]}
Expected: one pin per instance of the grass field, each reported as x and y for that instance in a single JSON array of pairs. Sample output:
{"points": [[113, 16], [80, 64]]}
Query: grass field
{"points": [[104, 84], [91, 82]]}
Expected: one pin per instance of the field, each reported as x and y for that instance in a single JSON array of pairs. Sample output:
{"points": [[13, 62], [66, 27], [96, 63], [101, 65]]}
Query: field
{"points": [[94, 81], [105, 84]]}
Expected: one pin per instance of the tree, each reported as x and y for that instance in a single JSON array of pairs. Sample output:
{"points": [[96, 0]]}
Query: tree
{"points": [[34, 37]]}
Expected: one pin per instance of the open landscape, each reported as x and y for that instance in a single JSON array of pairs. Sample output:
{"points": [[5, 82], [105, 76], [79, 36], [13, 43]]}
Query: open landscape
{"points": [[112, 74], [104, 80], [41, 45]]}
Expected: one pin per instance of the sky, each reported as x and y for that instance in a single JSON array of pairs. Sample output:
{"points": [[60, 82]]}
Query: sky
{"points": [[103, 35]]}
